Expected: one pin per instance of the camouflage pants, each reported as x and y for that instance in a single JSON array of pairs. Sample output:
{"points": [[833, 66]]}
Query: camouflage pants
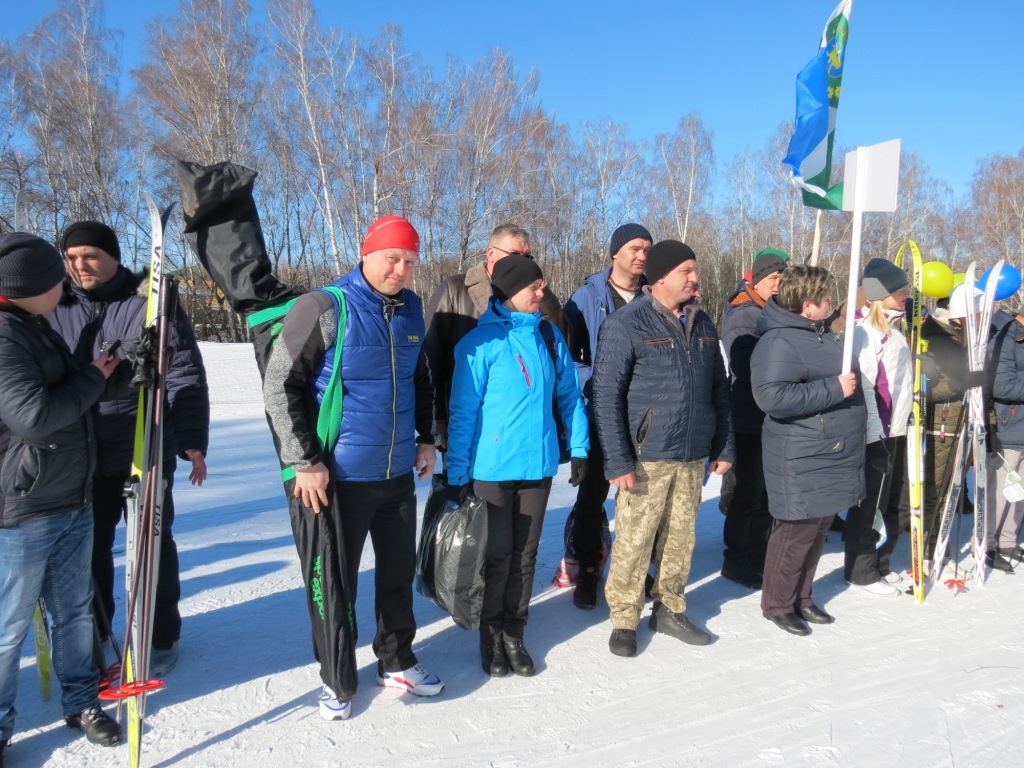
{"points": [[663, 502]]}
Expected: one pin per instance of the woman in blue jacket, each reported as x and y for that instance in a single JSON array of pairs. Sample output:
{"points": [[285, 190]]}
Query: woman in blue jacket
{"points": [[502, 437]]}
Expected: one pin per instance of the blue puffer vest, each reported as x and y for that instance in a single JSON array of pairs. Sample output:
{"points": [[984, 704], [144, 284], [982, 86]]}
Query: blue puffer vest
{"points": [[380, 348]]}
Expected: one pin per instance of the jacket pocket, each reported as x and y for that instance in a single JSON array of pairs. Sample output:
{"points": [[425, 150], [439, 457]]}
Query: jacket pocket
{"points": [[643, 429], [25, 467]]}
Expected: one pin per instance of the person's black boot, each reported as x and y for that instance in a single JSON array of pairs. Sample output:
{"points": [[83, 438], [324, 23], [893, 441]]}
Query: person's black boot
{"points": [[493, 658], [677, 625], [98, 727], [995, 561], [585, 594], [518, 658], [623, 642]]}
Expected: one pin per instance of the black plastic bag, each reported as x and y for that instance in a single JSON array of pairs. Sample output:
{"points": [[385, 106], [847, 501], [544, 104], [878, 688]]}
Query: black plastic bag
{"points": [[425, 551], [454, 542]]}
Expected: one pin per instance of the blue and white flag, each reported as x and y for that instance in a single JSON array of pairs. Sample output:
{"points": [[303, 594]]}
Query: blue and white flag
{"points": [[818, 87]]}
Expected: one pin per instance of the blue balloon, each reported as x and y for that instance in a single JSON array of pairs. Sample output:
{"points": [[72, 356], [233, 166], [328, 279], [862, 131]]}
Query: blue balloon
{"points": [[1008, 283]]}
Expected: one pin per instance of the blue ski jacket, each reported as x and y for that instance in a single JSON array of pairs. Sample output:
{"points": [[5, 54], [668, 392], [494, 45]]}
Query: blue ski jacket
{"points": [[501, 423]]}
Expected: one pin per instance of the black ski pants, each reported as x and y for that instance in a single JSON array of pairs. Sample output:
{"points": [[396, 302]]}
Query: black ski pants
{"points": [[515, 517], [109, 508], [747, 519], [386, 511], [589, 516], [884, 471]]}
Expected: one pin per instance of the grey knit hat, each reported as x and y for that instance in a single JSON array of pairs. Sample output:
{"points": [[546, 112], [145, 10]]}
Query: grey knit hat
{"points": [[766, 262], [625, 233], [883, 278], [29, 266]]}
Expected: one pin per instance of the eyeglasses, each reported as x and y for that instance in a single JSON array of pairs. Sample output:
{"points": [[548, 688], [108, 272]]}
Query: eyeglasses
{"points": [[512, 253]]}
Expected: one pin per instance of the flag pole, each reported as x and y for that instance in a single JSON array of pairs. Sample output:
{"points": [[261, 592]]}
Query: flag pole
{"points": [[860, 191], [816, 248]]}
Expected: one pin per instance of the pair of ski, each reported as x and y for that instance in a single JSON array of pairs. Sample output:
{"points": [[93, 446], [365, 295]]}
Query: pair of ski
{"points": [[973, 438], [145, 488]]}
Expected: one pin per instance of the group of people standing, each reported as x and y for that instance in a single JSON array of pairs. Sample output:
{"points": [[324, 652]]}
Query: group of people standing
{"points": [[631, 384]]}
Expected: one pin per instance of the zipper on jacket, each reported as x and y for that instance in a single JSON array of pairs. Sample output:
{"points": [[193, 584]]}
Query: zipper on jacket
{"points": [[389, 313], [522, 365]]}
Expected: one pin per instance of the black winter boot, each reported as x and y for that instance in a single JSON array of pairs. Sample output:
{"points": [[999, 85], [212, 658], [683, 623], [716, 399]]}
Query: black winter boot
{"points": [[98, 727], [493, 658], [622, 642], [677, 625], [519, 659], [585, 594]]}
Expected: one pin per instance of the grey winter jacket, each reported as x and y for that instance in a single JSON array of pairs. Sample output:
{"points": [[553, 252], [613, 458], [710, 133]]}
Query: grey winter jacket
{"points": [[813, 439], [660, 392], [47, 452]]}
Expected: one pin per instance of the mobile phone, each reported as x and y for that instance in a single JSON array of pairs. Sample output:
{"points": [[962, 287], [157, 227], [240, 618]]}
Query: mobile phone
{"points": [[111, 347]]}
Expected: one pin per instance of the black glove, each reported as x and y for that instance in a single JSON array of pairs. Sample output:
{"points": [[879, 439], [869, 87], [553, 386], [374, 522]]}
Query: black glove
{"points": [[878, 456], [457, 494], [975, 379], [578, 471]]}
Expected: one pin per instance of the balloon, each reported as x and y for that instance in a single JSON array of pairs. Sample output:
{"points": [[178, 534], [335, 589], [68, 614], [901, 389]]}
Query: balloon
{"points": [[936, 280], [958, 277], [1008, 283]]}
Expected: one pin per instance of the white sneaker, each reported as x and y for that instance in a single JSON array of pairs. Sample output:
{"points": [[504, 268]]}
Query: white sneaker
{"points": [[414, 680], [893, 577], [879, 587], [331, 708]]}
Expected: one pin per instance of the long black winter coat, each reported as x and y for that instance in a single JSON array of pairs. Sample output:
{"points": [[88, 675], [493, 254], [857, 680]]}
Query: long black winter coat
{"points": [[813, 439], [739, 336], [89, 320], [47, 452], [660, 392]]}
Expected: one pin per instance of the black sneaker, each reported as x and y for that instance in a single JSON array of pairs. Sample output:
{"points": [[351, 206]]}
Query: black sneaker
{"points": [[623, 642], [98, 727], [995, 561], [519, 659], [677, 625], [585, 594]]}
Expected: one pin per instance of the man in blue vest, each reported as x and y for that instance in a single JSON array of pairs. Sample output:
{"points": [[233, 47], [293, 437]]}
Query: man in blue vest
{"points": [[384, 434]]}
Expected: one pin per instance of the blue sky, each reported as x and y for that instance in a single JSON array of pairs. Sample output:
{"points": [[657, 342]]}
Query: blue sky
{"points": [[939, 75]]}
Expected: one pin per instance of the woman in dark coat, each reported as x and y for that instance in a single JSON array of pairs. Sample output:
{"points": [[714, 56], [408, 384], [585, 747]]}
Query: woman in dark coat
{"points": [[813, 439]]}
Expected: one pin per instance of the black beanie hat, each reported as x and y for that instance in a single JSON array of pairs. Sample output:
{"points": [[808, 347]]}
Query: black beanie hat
{"points": [[94, 233], [883, 278], [29, 266], [767, 261], [666, 256], [625, 233], [513, 273]]}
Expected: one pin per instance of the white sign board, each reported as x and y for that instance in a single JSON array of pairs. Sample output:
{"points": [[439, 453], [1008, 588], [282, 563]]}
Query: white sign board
{"points": [[879, 177]]}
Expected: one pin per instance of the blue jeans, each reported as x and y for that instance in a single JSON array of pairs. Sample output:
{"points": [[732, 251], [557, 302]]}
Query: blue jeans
{"points": [[49, 556]]}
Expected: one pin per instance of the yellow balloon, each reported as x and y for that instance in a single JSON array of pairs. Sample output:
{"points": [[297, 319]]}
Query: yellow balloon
{"points": [[936, 280], [958, 277]]}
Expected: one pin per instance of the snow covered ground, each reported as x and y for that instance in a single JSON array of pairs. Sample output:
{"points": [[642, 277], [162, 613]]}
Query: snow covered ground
{"points": [[891, 683]]}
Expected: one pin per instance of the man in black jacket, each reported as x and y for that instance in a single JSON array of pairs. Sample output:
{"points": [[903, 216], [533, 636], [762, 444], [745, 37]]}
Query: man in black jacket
{"points": [[46, 460], [661, 400], [105, 303]]}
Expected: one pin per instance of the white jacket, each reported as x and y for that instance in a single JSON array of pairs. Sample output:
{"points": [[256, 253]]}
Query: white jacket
{"points": [[885, 376]]}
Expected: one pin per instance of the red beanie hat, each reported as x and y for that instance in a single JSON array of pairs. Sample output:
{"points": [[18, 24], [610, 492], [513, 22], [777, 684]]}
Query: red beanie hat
{"points": [[391, 232]]}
